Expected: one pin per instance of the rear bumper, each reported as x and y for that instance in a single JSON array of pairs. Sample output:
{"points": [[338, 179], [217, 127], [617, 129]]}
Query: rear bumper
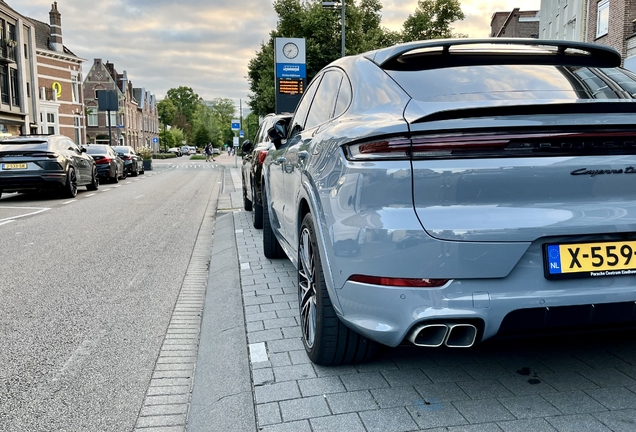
{"points": [[104, 171], [522, 302], [16, 182]]}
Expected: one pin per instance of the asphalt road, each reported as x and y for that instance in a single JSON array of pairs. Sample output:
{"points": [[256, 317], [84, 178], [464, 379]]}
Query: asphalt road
{"points": [[87, 289]]}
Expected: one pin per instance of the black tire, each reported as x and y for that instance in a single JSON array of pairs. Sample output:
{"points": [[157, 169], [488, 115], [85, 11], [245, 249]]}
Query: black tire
{"points": [[326, 339], [94, 184], [271, 246], [257, 211], [247, 204], [124, 174], [116, 178], [70, 188], [134, 172]]}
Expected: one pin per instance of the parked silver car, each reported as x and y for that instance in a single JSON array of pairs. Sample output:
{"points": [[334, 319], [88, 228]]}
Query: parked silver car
{"points": [[444, 192]]}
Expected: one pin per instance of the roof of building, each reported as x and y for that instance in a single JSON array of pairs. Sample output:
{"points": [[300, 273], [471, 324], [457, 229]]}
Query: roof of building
{"points": [[43, 37]]}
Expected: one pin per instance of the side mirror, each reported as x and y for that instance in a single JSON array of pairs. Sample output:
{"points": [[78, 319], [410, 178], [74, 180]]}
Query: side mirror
{"points": [[277, 133], [247, 146]]}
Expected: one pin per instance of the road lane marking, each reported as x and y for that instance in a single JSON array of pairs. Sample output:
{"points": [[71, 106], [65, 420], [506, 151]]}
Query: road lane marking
{"points": [[39, 210], [89, 195], [140, 196], [258, 352], [105, 190], [117, 186], [68, 202], [7, 221]]}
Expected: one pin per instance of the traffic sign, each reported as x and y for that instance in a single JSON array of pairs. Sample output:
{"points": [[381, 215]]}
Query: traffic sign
{"points": [[242, 134], [236, 124], [155, 140]]}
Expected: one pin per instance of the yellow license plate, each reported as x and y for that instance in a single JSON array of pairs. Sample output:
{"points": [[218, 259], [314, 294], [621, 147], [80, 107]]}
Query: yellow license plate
{"points": [[616, 258], [10, 166]]}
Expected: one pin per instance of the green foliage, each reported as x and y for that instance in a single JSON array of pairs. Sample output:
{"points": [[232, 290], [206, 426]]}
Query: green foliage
{"points": [[145, 152], [166, 111], [322, 32], [251, 126], [432, 20]]}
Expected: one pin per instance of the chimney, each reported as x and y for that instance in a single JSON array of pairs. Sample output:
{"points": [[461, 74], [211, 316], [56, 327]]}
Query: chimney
{"points": [[55, 19]]}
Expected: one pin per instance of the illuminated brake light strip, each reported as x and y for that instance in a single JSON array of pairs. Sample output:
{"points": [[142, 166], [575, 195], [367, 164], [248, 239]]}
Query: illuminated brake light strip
{"points": [[399, 282]]}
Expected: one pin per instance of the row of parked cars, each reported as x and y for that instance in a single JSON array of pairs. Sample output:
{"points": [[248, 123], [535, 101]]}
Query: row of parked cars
{"points": [[441, 193], [40, 163]]}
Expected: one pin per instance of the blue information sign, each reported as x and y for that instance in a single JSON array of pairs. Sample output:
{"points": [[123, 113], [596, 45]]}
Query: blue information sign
{"points": [[155, 140], [242, 134]]}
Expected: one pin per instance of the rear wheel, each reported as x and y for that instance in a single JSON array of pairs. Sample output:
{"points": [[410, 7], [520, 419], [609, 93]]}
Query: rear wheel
{"points": [[124, 174], [271, 246], [94, 184], [257, 211], [70, 188], [326, 339]]}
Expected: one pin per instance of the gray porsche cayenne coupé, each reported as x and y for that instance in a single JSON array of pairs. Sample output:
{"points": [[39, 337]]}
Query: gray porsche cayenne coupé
{"points": [[443, 192]]}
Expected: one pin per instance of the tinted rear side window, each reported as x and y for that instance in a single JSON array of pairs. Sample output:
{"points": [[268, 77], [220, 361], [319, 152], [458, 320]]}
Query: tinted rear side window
{"points": [[509, 82], [325, 101], [96, 149]]}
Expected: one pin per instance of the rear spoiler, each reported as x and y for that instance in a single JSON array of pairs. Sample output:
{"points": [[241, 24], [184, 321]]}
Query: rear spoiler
{"points": [[435, 54]]}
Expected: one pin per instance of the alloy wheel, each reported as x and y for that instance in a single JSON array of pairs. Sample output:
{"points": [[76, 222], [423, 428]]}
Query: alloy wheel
{"points": [[307, 288], [72, 182]]}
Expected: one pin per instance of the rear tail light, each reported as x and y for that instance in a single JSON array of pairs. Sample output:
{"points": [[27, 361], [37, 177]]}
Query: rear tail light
{"points": [[104, 160], [398, 148], [261, 156], [50, 155], [399, 282]]}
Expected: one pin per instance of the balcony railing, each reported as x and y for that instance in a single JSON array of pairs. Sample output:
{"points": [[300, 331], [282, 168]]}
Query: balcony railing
{"points": [[48, 94]]}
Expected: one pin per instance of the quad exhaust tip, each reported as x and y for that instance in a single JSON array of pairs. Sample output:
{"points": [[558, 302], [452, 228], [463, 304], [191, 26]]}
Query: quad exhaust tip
{"points": [[452, 335]]}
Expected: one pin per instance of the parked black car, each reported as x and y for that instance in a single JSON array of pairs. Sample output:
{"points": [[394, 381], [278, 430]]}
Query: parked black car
{"points": [[133, 163], [35, 163], [253, 157], [110, 167]]}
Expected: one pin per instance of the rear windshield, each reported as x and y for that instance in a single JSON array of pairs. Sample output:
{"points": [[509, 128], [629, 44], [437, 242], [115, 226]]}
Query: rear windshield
{"points": [[120, 149], [23, 142], [510, 82], [93, 149]]}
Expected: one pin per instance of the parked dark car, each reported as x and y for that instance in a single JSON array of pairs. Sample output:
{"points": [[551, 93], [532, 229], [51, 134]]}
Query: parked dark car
{"points": [[254, 155], [110, 167], [38, 163], [444, 192], [133, 163]]}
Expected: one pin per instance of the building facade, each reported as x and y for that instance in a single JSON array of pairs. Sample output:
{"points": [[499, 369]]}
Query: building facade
{"points": [[563, 20], [515, 24], [18, 80], [135, 124], [59, 72]]}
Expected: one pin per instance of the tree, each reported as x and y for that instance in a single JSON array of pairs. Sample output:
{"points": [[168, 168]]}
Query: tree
{"points": [[166, 112], [201, 136], [432, 20]]}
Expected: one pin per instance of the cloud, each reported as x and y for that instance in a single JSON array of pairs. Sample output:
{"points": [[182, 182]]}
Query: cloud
{"points": [[202, 44]]}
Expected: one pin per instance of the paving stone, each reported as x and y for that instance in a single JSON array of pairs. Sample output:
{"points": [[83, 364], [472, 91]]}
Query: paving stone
{"points": [[295, 372], [252, 309], [388, 420], [379, 365], [527, 425], [608, 377], [573, 402], [168, 390], [291, 332], [483, 411], [446, 374], [397, 396], [436, 415], [268, 414], [276, 392], [400, 378], [438, 393], [484, 389], [286, 313], [567, 381], [259, 316], [305, 408], [285, 345], [614, 398], [619, 421], [167, 400], [334, 370], [161, 420], [484, 371], [364, 381], [280, 322], [297, 426], [320, 386], [484, 427], [254, 326], [280, 359], [262, 376], [257, 300], [276, 307], [406, 357], [529, 406], [340, 423], [600, 359], [264, 336], [299, 357], [578, 423], [168, 409], [525, 385], [351, 402]]}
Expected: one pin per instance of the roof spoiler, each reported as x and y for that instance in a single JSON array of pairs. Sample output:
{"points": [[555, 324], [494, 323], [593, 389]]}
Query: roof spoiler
{"points": [[580, 53]]}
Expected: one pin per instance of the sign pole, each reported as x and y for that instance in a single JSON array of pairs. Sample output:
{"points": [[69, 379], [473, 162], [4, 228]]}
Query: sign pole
{"points": [[110, 131]]}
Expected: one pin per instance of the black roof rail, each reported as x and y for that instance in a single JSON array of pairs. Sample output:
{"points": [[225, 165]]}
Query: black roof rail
{"points": [[587, 54]]}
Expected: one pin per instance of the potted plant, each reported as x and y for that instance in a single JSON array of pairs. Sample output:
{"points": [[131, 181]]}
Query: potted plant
{"points": [[146, 155]]}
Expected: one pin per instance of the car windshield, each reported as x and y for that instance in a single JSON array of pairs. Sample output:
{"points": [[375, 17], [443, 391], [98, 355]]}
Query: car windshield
{"points": [[120, 149]]}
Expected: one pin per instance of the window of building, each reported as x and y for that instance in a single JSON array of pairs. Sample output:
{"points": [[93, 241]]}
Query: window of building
{"points": [[76, 121], [50, 117], [602, 18], [51, 130], [12, 34], [75, 88], [92, 118], [15, 88], [113, 118], [28, 90], [26, 51]]}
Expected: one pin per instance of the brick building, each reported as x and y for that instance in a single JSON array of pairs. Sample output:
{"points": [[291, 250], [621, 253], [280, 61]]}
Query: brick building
{"points": [[612, 23], [136, 122], [18, 103], [59, 73], [515, 24]]}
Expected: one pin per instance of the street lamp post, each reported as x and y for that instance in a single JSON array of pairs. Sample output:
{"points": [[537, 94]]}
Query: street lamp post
{"points": [[332, 5]]}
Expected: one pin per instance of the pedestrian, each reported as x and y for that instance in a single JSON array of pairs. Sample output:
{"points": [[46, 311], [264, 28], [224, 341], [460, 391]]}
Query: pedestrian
{"points": [[208, 152]]}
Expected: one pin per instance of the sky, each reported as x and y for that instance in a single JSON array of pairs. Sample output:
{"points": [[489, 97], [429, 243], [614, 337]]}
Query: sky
{"points": [[202, 44]]}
